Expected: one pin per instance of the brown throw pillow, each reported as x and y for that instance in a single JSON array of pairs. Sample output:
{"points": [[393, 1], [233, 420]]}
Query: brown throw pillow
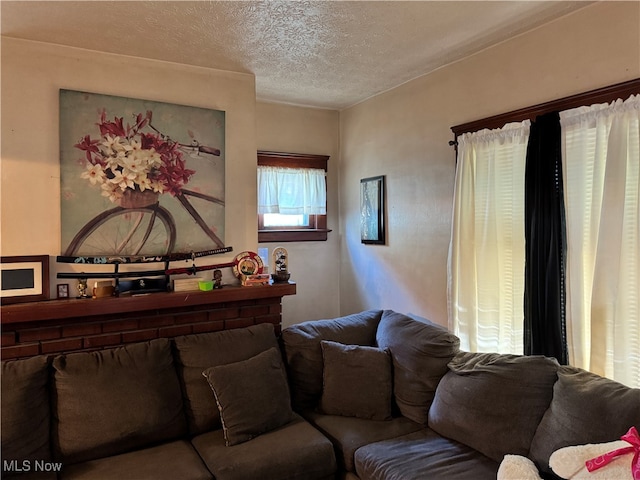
{"points": [[25, 410], [420, 350], [357, 381], [252, 396], [493, 403]]}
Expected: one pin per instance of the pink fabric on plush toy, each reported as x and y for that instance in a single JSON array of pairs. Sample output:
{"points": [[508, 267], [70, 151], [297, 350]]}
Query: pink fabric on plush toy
{"points": [[631, 437]]}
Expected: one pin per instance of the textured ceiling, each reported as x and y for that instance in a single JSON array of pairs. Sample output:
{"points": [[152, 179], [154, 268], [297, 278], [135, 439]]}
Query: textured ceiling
{"points": [[328, 54]]}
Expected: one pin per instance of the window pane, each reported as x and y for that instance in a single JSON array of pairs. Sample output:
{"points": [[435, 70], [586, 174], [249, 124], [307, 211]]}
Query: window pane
{"points": [[281, 220]]}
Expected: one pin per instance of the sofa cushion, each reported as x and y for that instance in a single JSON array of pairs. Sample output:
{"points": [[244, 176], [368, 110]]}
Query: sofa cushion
{"points": [[350, 433], [357, 381], [25, 410], [420, 351], [196, 353], [423, 455], [168, 461], [493, 402], [114, 401], [586, 408], [301, 343], [295, 451], [252, 396]]}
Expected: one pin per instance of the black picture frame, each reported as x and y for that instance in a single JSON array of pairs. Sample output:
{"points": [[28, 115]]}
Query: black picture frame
{"points": [[24, 279], [372, 210]]}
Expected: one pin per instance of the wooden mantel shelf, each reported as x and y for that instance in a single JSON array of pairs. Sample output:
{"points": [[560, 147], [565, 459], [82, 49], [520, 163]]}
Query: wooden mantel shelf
{"points": [[75, 308]]}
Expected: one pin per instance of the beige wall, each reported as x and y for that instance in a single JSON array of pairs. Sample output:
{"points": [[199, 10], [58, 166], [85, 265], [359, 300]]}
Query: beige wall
{"points": [[314, 266], [403, 134], [33, 73]]}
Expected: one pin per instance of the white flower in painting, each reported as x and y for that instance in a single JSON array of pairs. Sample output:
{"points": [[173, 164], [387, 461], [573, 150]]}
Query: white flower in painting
{"points": [[157, 186], [95, 174], [143, 182], [136, 162], [123, 179], [111, 191], [112, 144]]}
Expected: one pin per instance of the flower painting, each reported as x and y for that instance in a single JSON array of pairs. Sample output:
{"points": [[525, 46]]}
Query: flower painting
{"points": [[139, 177]]}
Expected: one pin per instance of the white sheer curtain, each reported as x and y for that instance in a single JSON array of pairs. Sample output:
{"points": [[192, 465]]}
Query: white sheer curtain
{"points": [[601, 158], [292, 191], [487, 251]]}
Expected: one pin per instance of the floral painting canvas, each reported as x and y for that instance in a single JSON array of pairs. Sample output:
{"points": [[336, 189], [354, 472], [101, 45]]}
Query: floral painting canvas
{"points": [[139, 177]]}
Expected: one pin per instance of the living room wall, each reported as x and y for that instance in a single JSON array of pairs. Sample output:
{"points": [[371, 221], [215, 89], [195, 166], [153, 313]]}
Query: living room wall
{"points": [[33, 73], [314, 266], [404, 134]]}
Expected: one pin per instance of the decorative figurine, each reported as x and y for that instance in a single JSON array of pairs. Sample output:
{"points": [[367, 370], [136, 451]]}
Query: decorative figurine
{"points": [[217, 279], [280, 260], [82, 288]]}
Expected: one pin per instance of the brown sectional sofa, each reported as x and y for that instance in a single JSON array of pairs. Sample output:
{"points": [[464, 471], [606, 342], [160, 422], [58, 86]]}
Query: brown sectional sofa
{"points": [[375, 395], [455, 414]]}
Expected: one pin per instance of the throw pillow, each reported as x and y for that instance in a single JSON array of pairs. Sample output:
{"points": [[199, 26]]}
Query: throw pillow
{"points": [[493, 403], [421, 351], [252, 396], [197, 352], [517, 467], [116, 400], [357, 381], [25, 410], [301, 344], [586, 408]]}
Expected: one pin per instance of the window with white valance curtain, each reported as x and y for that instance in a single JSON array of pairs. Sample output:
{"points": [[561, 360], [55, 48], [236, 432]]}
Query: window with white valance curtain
{"points": [[292, 197], [292, 191]]}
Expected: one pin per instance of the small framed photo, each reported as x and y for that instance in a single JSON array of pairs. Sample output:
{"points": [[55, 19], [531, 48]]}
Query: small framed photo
{"points": [[63, 290], [372, 194], [24, 278]]}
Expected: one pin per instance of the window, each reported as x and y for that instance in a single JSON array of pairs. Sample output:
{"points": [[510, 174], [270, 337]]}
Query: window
{"points": [[601, 174], [292, 193]]}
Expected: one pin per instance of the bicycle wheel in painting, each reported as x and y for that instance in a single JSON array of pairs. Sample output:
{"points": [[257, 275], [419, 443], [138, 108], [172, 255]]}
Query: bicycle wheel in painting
{"points": [[126, 232]]}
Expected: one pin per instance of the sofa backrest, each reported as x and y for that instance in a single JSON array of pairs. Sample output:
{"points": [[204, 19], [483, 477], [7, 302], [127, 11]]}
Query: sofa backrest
{"points": [[492, 402], [586, 408], [113, 401], [301, 344], [198, 352], [420, 350], [25, 413]]}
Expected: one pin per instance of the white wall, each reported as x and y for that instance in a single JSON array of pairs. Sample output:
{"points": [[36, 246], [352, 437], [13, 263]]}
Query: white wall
{"points": [[33, 73], [404, 135], [314, 266]]}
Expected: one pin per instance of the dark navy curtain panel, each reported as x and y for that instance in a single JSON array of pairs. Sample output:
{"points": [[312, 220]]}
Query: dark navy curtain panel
{"points": [[544, 302]]}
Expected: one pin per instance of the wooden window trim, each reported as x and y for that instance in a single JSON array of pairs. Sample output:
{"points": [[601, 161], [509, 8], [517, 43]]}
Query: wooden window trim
{"points": [[317, 231], [600, 95]]}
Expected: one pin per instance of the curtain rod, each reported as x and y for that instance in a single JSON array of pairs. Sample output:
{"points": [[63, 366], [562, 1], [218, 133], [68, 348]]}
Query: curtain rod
{"points": [[599, 95]]}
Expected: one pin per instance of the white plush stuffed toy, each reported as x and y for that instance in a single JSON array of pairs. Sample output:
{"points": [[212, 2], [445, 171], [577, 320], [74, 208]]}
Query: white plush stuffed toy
{"points": [[517, 467], [619, 460]]}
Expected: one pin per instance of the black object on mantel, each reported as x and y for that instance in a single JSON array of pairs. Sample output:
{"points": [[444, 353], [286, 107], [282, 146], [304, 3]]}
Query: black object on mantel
{"points": [[141, 286]]}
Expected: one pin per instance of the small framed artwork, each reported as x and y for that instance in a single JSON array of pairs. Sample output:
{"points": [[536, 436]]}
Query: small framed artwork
{"points": [[63, 290], [372, 228], [24, 279]]}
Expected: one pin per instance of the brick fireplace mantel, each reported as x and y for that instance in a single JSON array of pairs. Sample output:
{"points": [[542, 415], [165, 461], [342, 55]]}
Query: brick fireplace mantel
{"points": [[69, 325]]}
